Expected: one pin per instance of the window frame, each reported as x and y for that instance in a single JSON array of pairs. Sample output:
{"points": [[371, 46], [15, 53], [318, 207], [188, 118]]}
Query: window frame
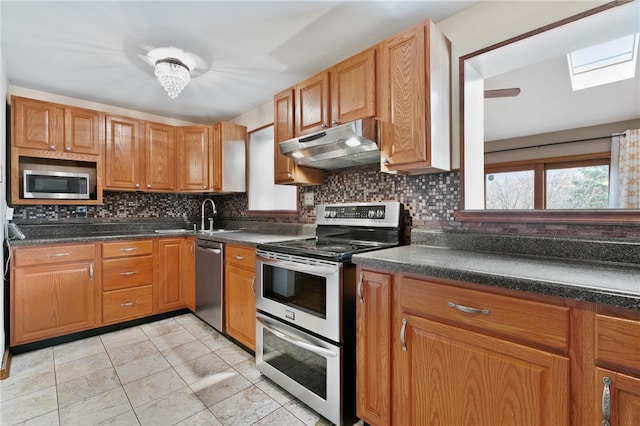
{"points": [[540, 167]]}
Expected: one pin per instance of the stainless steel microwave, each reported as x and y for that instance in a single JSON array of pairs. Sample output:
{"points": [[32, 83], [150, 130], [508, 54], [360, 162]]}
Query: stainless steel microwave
{"points": [[56, 185]]}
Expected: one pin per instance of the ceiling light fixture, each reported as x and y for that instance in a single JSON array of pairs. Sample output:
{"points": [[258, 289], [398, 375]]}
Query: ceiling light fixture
{"points": [[173, 75]]}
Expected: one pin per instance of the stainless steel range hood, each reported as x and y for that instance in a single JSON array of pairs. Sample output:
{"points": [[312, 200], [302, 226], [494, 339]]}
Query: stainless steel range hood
{"points": [[346, 145]]}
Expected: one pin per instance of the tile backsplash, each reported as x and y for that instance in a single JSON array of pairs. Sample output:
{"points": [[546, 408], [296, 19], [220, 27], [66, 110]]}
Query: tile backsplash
{"points": [[429, 201]]}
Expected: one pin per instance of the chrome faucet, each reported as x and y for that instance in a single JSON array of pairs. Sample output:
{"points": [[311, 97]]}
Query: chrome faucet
{"points": [[215, 211]]}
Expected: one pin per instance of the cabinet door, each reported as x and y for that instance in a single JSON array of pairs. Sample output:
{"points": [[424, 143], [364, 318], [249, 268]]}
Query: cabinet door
{"points": [[353, 88], [618, 398], [37, 124], [285, 170], [51, 300], [171, 274], [82, 131], [215, 160], [193, 170], [402, 98], [123, 159], [240, 305], [312, 104], [453, 376], [160, 157], [373, 348]]}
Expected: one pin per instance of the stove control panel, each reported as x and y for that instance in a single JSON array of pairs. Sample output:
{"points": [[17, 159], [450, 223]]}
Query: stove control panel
{"points": [[354, 212], [380, 214]]}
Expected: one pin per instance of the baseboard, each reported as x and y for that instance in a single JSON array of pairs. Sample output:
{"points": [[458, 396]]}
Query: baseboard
{"points": [[6, 364]]}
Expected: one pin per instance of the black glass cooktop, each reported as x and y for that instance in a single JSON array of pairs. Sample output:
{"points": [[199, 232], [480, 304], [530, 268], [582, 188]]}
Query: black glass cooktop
{"points": [[335, 250]]}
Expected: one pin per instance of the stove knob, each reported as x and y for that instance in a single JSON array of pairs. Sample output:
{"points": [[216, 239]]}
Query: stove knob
{"points": [[371, 214], [326, 214], [379, 214], [333, 213]]}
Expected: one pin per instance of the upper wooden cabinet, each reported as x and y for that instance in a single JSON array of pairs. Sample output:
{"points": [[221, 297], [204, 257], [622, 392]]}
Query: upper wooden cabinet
{"points": [[285, 170], [51, 127], [160, 157], [312, 104], [194, 148], [353, 88], [228, 160], [124, 154], [415, 92]]}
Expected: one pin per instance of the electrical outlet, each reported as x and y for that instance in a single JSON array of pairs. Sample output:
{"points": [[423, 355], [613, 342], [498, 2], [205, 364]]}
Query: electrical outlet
{"points": [[308, 198]]}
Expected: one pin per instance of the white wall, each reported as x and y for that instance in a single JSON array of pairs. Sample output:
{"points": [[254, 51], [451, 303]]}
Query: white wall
{"points": [[256, 118]]}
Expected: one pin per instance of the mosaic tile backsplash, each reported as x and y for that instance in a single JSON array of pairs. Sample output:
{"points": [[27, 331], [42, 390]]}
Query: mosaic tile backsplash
{"points": [[429, 202]]}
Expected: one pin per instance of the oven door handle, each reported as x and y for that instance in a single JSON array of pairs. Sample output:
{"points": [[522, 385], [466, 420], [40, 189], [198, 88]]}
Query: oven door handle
{"points": [[304, 345], [300, 267]]}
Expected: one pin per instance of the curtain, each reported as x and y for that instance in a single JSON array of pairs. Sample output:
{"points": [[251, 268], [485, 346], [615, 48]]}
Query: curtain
{"points": [[629, 170]]}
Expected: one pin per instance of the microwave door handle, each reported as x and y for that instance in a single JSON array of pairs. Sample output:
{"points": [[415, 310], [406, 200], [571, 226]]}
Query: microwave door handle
{"points": [[304, 345], [300, 267]]}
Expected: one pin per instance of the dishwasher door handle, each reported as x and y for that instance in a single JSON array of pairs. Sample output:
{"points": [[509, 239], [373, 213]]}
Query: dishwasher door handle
{"points": [[211, 250]]}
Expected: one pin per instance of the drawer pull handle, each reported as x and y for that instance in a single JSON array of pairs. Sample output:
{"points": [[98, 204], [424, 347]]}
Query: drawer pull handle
{"points": [[239, 257], [359, 291], [91, 271], [128, 304], [403, 336], [468, 310], [253, 285], [606, 401], [57, 254], [128, 273], [129, 249]]}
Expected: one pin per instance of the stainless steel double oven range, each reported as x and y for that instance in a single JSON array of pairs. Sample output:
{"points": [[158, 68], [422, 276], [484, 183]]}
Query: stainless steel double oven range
{"points": [[306, 302]]}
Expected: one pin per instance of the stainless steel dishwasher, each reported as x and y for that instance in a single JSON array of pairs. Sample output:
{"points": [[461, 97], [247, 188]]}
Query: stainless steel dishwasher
{"points": [[209, 283]]}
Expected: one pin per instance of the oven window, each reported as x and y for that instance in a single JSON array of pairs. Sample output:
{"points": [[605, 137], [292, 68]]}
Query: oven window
{"points": [[301, 365], [299, 290]]}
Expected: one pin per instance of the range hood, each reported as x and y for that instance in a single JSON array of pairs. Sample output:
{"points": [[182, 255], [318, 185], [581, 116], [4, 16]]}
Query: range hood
{"points": [[345, 145]]}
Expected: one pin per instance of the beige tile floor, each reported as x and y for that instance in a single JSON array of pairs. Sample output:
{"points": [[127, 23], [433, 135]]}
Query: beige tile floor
{"points": [[178, 371]]}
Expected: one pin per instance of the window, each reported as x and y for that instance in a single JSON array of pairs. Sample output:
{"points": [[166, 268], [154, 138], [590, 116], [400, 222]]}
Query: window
{"points": [[263, 194], [555, 183], [604, 63]]}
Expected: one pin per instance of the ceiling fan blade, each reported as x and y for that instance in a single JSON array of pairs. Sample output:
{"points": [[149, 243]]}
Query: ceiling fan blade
{"points": [[502, 93]]}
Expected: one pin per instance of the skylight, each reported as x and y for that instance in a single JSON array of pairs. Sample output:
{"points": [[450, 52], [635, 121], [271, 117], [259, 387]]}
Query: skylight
{"points": [[604, 63]]}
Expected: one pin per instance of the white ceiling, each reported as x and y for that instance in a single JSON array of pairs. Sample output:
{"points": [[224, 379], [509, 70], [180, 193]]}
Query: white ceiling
{"points": [[91, 49]]}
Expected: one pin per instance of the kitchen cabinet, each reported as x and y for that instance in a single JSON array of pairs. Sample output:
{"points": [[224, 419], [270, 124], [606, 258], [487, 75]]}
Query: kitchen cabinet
{"points": [[285, 170], [617, 377], [415, 109], [51, 127], [239, 294], [172, 271], [194, 147], [160, 157], [464, 356], [190, 274], [228, 162], [124, 154], [353, 88], [312, 104], [54, 291], [373, 347], [127, 280]]}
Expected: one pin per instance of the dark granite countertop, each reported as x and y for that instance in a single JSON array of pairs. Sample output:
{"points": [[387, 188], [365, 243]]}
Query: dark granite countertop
{"points": [[605, 282], [250, 234]]}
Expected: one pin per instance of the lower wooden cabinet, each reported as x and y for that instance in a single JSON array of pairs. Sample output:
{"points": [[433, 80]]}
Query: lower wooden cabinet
{"points": [[239, 294], [172, 270], [54, 291], [373, 348]]}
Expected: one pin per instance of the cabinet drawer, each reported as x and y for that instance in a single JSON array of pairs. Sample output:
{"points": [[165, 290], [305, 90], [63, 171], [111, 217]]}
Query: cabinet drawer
{"points": [[617, 341], [517, 319], [126, 304], [127, 272], [53, 254], [127, 248], [244, 257]]}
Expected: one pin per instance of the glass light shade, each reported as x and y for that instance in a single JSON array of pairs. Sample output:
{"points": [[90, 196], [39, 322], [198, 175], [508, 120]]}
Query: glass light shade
{"points": [[173, 75]]}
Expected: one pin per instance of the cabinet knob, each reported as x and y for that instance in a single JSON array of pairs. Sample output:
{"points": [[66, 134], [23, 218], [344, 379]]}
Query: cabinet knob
{"points": [[52, 147], [148, 185], [67, 148], [137, 185], [334, 123], [289, 175], [324, 126]]}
